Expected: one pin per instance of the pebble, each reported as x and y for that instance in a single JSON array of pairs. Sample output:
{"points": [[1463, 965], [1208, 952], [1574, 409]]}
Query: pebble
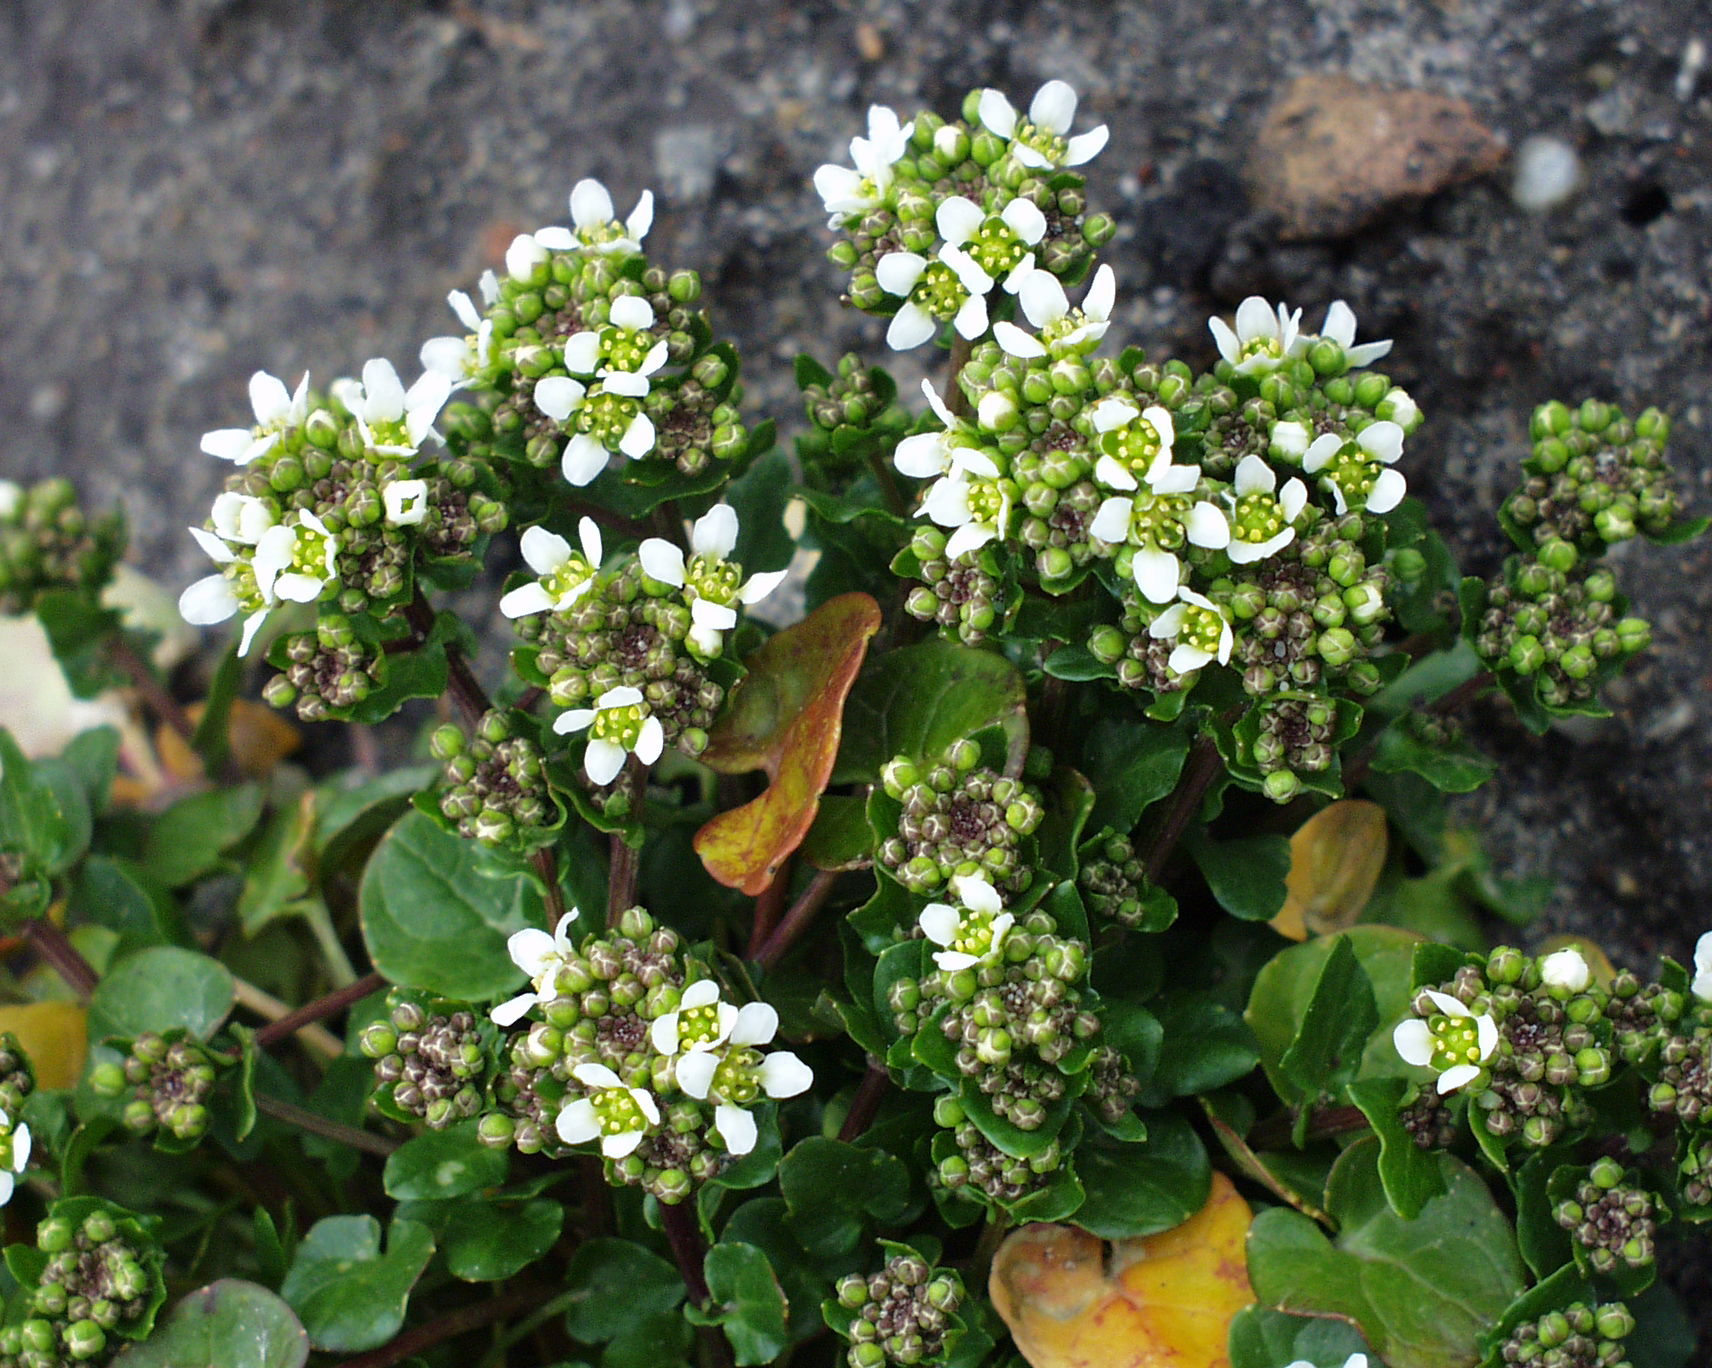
{"points": [[1547, 174]]}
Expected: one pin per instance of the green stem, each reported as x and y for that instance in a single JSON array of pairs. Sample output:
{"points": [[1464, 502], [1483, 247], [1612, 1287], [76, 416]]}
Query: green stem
{"points": [[320, 920]]}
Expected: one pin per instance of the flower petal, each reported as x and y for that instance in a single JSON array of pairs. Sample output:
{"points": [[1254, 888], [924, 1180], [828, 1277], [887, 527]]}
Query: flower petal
{"points": [[715, 532], [1015, 341], [910, 327], [591, 204], [208, 601], [1207, 526], [269, 398], [1414, 1042], [1043, 299], [757, 1024], [622, 1144], [581, 354], [695, 1072], [1111, 523], [1456, 1077], [1102, 294], [784, 1075], [662, 561], [1186, 658], [1387, 492], [897, 272], [603, 760], [577, 1123], [958, 219], [1254, 476], [1157, 574], [513, 1010], [939, 922], [1084, 147], [758, 586], [997, 113], [558, 396], [736, 1128], [229, 444], [651, 741]]}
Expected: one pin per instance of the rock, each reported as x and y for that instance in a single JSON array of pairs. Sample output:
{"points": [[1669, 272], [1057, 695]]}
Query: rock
{"points": [[1547, 173], [1334, 154]]}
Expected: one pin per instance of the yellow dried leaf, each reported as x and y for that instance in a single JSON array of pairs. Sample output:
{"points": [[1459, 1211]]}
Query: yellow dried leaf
{"points": [[1335, 860], [260, 738], [1163, 1301], [55, 1034]]}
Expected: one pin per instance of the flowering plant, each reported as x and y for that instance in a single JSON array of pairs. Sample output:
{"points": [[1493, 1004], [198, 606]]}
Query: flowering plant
{"points": [[899, 902]]}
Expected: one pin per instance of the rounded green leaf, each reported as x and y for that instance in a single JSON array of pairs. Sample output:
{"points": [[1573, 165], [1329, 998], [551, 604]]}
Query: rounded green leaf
{"points": [[158, 989], [230, 1323], [349, 1295], [441, 1164]]}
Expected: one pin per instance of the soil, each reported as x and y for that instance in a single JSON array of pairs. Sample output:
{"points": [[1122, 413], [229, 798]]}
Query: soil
{"points": [[192, 190]]}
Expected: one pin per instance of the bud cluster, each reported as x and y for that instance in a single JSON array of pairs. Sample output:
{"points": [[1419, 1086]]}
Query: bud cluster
{"points": [[1114, 882], [966, 1159], [327, 672], [1578, 1336], [1613, 1223], [495, 786], [99, 1288], [1594, 478], [904, 1314], [170, 1077], [1294, 736], [48, 542], [959, 818], [17, 1075], [431, 1059], [855, 417], [962, 595]]}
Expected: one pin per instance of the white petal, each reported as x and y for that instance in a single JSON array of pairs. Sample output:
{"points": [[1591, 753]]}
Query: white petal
{"points": [[1387, 492], [624, 696], [757, 587], [1165, 478], [465, 309], [596, 1076], [1020, 272], [632, 313], [1453, 1078], [1102, 294], [952, 961], [555, 239], [269, 398], [701, 993], [1053, 107], [214, 547], [1110, 414], [655, 358], [1487, 1031], [1367, 353], [588, 534], [544, 551], [1160, 420], [1292, 499], [1703, 954], [971, 320], [1157, 574], [1111, 523], [526, 599], [1448, 1005], [1289, 438], [448, 356], [715, 532], [938, 922], [603, 760], [947, 502], [638, 439], [973, 461], [695, 1073], [383, 391], [581, 352], [591, 205], [513, 1010], [1023, 217], [20, 1147], [651, 741], [1015, 341], [997, 113], [958, 219], [1320, 452], [663, 1034], [573, 720], [923, 455], [1566, 968], [630, 384], [977, 894], [1084, 147], [910, 327], [1112, 473], [622, 1144], [252, 625], [969, 537], [736, 1128], [1382, 440], [784, 1075], [532, 950], [208, 601], [229, 444], [558, 396], [646, 1104], [934, 402], [1414, 1042], [1207, 527], [662, 561], [1254, 476], [1168, 623], [757, 1024], [1229, 345], [897, 272], [1256, 318], [294, 587], [1185, 658], [577, 1123], [584, 459], [1043, 299], [641, 217], [839, 188], [1339, 324]]}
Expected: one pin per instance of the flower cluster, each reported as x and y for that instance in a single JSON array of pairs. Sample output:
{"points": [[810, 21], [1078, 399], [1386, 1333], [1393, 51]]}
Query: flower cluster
{"points": [[941, 223], [1612, 1222], [170, 1079], [328, 672], [958, 818], [97, 1285], [495, 786], [906, 1313], [1578, 1336], [48, 542], [431, 1060], [619, 1045]]}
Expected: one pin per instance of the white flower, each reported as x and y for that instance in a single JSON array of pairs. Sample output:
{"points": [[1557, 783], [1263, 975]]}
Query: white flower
{"points": [[406, 502], [951, 286], [240, 518], [1455, 1042], [1063, 331], [11, 495], [619, 1116], [1262, 516], [970, 936], [926, 454], [395, 421], [523, 255], [1340, 328], [1039, 141], [712, 583], [1353, 1361], [594, 226], [458, 358], [296, 562], [703, 1023], [1198, 627], [1289, 440], [218, 597], [16, 1140], [736, 1076], [1263, 338], [617, 727], [287, 562], [277, 411], [1702, 985], [624, 353], [540, 956], [605, 420], [1565, 969], [974, 499], [565, 575], [1358, 472], [1000, 244], [844, 191]]}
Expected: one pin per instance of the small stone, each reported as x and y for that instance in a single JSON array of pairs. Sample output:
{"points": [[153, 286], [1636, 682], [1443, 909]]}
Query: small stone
{"points": [[1334, 155], [1547, 174]]}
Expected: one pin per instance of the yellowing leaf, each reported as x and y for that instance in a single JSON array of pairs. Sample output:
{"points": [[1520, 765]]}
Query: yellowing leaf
{"points": [[1335, 859], [786, 718], [260, 738], [1163, 1301], [56, 1036]]}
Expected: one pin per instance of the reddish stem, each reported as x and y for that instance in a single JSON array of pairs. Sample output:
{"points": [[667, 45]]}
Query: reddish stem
{"points": [[316, 1124], [796, 920], [767, 909], [453, 1323], [161, 703], [866, 1104], [318, 1010], [1199, 773], [48, 941]]}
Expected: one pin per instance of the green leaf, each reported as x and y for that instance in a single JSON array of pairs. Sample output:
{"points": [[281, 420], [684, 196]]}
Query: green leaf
{"points": [[1246, 875], [232, 1323], [489, 1241], [1263, 1338], [1336, 1027], [280, 867], [1132, 764], [1077, 664], [349, 1295], [748, 1302], [78, 629], [441, 1164], [840, 838], [1409, 1174], [759, 495], [1423, 1291], [1450, 769], [1141, 1189], [44, 812], [1206, 1045], [613, 1283], [834, 1191], [191, 835], [120, 895], [431, 920], [93, 756], [919, 700], [158, 989]]}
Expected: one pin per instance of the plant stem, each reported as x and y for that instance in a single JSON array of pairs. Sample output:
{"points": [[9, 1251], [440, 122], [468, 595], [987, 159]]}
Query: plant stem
{"points": [[956, 400], [48, 941], [630, 527], [866, 1103], [624, 862], [767, 910], [1326, 1123], [796, 920], [448, 1326], [1465, 692], [1200, 771], [888, 483], [689, 1251], [318, 1010], [148, 684], [263, 1004], [336, 1131]]}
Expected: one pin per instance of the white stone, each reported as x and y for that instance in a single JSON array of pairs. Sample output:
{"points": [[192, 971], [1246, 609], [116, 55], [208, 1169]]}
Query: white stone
{"points": [[1547, 173]]}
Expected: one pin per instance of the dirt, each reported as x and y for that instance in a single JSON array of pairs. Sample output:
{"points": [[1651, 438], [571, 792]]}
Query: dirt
{"points": [[193, 190]]}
